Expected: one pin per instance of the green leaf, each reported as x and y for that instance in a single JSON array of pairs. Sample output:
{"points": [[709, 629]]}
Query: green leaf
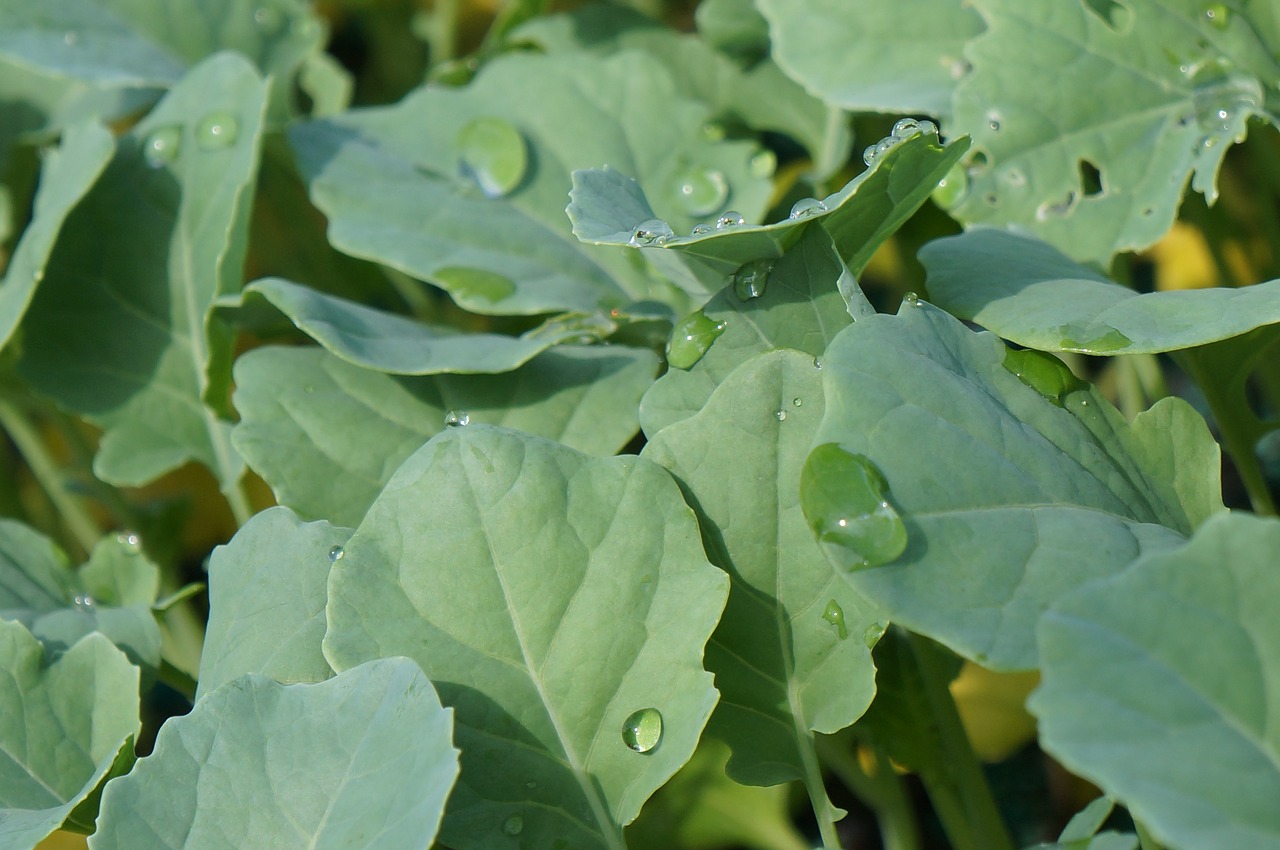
{"points": [[790, 655], [266, 601], [733, 26], [259, 764], [567, 599], [62, 726], [1027, 291], [395, 185], [1170, 88], [859, 54], [1011, 498], [121, 312], [609, 208], [119, 573], [34, 574], [1156, 686], [69, 171], [327, 435]]}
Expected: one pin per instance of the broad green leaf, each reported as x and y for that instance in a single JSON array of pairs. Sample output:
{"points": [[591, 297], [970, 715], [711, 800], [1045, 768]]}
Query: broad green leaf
{"points": [[792, 653], [869, 56], [34, 574], [120, 314], [1011, 495], [609, 208], [119, 573], [560, 603], [260, 764], [1027, 291], [1159, 681], [1171, 85], [400, 184], [62, 726], [266, 601], [327, 435], [800, 308], [68, 173]]}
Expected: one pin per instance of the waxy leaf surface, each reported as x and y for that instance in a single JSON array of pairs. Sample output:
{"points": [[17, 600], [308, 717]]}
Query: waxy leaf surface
{"points": [[1011, 495], [362, 760], [553, 598], [1160, 686]]}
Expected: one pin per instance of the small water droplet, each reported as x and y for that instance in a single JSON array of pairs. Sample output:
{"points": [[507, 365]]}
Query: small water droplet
{"points": [[712, 132], [817, 363], [732, 218], [492, 154], [797, 402], [700, 229], [701, 190], [751, 279], [130, 541], [911, 299], [530, 785], [952, 188], [780, 414], [834, 615], [1217, 14], [513, 825], [994, 124], [268, 19], [845, 501], [335, 554], [642, 731], [871, 634], [161, 146], [806, 207], [457, 419], [84, 601], [654, 231], [217, 130], [691, 338], [763, 164], [869, 155]]}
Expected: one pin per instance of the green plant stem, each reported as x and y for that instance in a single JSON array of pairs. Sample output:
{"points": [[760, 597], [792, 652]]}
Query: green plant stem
{"points": [[74, 514], [1145, 839], [238, 498], [882, 791]]}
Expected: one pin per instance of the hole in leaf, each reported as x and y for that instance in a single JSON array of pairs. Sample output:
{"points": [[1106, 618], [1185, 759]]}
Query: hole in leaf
{"points": [[1113, 13], [1090, 178]]}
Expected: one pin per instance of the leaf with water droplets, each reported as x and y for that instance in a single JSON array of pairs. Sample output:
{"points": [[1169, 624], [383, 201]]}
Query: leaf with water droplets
{"points": [[570, 593], [1009, 499]]}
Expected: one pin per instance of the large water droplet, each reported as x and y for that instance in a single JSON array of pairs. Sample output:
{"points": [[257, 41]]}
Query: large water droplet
{"points": [[1043, 372], [691, 338], [701, 190], [806, 207], [845, 499], [751, 279], [456, 419], [217, 130], [492, 154], [871, 634], [1217, 14], [909, 127], [513, 825], [161, 146], [335, 554], [655, 231], [642, 731], [732, 218], [834, 615]]}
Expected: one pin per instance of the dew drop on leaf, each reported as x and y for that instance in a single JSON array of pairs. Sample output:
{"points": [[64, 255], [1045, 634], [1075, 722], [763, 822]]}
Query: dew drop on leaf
{"points": [[642, 731], [654, 231], [911, 299], [1217, 14], [513, 825], [456, 419], [691, 338], [751, 279], [817, 363], [763, 164], [217, 130], [871, 634], [335, 554], [268, 19], [834, 615], [83, 601], [797, 402], [780, 415], [732, 218], [712, 132], [161, 146], [700, 230], [845, 499], [806, 207], [1043, 372], [701, 190], [492, 154], [130, 541]]}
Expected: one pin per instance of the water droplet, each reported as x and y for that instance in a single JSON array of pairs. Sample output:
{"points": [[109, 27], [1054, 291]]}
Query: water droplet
{"points": [[217, 130], [530, 785], [806, 207], [83, 600], [797, 402], [751, 279], [1217, 14], [845, 501], [958, 68], [869, 155], [1043, 372], [834, 615], [268, 19], [457, 419], [513, 825], [161, 146], [691, 338], [712, 132], [642, 731], [780, 414], [911, 299], [909, 127], [763, 164], [732, 218], [492, 154], [700, 229], [701, 190], [871, 634], [130, 541], [952, 188], [654, 231], [817, 363], [994, 123], [335, 554]]}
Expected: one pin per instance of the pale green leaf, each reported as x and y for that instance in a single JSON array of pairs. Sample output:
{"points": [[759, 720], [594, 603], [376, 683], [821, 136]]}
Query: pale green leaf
{"points": [[397, 187], [733, 26], [550, 596], [34, 573], [871, 56], [266, 601], [363, 760], [1027, 291], [790, 655], [1012, 496], [62, 726], [119, 573], [1159, 686], [327, 435], [121, 312]]}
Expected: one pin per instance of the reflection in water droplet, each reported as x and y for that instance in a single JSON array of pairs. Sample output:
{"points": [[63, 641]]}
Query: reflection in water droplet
{"points": [[655, 231], [335, 554], [691, 338], [781, 415], [642, 731], [456, 419], [513, 825], [130, 541], [701, 190], [845, 501], [871, 634], [806, 207], [763, 164], [751, 279], [217, 130], [834, 615], [161, 146], [732, 218], [700, 229], [492, 154]]}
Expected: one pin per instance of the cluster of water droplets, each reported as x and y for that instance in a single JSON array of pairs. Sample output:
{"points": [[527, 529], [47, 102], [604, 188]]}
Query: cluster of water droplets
{"points": [[905, 129], [215, 131]]}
